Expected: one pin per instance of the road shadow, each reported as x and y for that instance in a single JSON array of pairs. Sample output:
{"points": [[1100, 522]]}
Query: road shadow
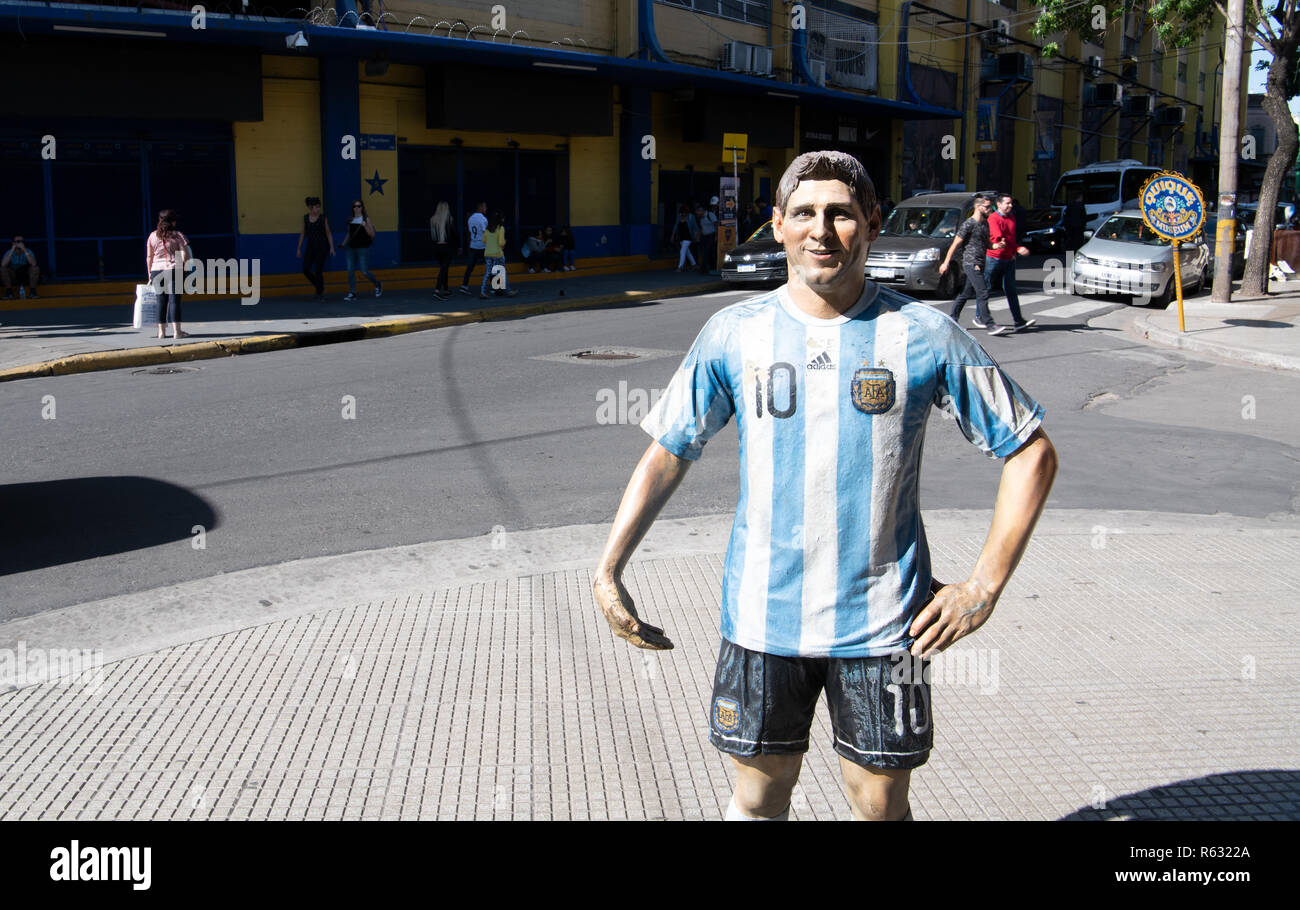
{"points": [[52, 523], [1232, 796]]}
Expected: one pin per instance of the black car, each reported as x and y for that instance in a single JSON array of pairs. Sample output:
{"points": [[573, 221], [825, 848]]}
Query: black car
{"points": [[760, 258], [1042, 231]]}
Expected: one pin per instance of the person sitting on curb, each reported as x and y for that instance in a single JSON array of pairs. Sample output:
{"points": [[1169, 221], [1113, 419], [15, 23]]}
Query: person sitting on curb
{"points": [[532, 251], [553, 255], [19, 265], [567, 245]]}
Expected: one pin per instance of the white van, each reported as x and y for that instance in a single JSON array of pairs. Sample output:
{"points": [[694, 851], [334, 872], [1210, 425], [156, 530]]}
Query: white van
{"points": [[1107, 187]]}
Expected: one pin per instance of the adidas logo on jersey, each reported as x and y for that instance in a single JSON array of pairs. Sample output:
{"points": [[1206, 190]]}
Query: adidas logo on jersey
{"points": [[821, 362]]}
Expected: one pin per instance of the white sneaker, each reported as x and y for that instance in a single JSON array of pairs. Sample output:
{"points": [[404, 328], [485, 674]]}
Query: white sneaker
{"points": [[350, 297]]}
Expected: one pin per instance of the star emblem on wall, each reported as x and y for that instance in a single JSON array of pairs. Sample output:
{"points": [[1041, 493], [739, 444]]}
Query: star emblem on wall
{"points": [[376, 183]]}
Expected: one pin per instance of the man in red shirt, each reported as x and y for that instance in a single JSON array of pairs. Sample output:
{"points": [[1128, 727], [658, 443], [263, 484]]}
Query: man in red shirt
{"points": [[1000, 268]]}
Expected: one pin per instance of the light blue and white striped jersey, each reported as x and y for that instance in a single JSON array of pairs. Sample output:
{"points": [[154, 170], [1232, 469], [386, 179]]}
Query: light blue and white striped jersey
{"points": [[828, 556]]}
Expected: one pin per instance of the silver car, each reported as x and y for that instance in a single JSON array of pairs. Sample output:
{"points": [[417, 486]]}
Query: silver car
{"points": [[914, 239], [1124, 257]]}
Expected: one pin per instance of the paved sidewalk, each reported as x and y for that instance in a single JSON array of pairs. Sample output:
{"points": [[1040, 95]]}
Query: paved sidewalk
{"points": [[1259, 331], [1140, 665], [35, 336]]}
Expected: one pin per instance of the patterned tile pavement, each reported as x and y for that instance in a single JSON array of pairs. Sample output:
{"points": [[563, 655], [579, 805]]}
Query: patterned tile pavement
{"points": [[1133, 675]]}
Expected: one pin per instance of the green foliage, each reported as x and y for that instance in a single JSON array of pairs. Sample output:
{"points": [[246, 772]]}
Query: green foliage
{"points": [[1180, 23]]}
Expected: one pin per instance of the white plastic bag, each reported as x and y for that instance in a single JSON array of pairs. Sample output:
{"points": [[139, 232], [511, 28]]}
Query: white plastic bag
{"points": [[146, 306]]}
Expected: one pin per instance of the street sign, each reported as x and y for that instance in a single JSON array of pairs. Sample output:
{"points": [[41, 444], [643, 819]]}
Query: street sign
{"points": [[734, 146], [1173, 208]]}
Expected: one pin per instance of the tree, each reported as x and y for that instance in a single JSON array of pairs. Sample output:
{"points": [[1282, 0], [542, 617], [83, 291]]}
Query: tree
{"points": [[1273, 25]]}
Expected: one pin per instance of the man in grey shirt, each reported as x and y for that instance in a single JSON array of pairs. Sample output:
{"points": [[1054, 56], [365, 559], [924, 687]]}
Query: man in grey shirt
{"points": [[974, 236]]}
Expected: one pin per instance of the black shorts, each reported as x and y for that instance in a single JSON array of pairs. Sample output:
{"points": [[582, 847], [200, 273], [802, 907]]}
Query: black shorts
{"points": [[880, 706]]}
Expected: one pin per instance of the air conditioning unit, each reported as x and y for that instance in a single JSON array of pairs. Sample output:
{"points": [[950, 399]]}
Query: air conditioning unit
{"points": [[999, 35], [1173, 115], [761, 61], [1105, 94], [1139, 105], [818, 70], [1094, 67], [738, 56]]}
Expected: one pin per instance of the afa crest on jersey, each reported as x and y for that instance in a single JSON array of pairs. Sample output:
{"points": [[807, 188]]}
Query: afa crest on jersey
{"points": [[873, 390], [726, 714]]}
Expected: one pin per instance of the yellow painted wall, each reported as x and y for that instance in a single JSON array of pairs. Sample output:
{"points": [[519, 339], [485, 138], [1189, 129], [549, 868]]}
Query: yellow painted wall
{"points": [[394, 103], [593, 178], [687, 37], [278, 161], [672, 154]]}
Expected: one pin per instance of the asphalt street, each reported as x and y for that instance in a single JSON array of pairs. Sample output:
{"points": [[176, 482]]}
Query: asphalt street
{"points": [[124, 481]]}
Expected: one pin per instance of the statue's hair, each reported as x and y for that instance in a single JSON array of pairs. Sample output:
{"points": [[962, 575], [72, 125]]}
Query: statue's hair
{"points": [[828, 166]]}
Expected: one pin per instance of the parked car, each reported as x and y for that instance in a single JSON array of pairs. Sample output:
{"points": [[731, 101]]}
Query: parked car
{"points": [[1210, 234], [1042, 231], [915, 238], [760, 258], [1123, 257], [1247, 211]]}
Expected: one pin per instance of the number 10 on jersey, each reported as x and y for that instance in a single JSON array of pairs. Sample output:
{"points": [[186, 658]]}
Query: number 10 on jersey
{"points": [[779, 383]]}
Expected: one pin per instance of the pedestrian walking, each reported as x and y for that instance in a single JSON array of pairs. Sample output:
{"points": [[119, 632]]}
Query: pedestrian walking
{"points": [[683, 237], [356, 249], [1075, 221], [708, 222], [477, 225], [1000, 270], [315, 242], [442, 227], [165, 248], [827, 581], [494, 257], [973, 239]]}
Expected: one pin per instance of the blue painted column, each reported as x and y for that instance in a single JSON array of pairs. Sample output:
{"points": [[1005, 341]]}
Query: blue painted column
{"points": [[340, 115], [634, 171]]}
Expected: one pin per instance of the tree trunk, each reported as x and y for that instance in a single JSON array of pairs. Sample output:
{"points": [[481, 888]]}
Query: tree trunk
{"points": [[1275, 105]]}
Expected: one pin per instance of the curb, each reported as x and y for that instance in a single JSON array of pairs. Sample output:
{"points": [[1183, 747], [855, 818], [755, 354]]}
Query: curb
{"points": [[232, 347], [1174, 339]]}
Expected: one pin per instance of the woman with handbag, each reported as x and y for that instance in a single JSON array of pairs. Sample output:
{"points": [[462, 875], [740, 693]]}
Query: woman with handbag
{"points": [[356, 248], [165, 246]]}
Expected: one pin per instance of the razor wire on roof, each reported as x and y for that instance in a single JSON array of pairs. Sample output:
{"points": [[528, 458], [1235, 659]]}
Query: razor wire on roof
{"points": [[327, 16]]}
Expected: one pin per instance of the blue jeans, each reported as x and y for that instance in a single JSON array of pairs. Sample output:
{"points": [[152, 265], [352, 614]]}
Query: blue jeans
{"points": [[169, 297], [492, 262], [355, 257], [1001, 274]]}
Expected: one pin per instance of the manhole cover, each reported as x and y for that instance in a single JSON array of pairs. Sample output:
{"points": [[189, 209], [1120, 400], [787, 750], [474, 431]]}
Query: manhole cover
{"points": [[164, 371], [608, 356], [605, 355]]}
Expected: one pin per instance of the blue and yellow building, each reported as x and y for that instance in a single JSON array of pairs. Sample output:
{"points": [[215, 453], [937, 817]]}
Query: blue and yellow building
{"points": [[600, 114]]}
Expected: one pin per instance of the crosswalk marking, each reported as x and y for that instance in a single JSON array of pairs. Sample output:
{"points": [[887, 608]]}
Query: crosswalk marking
{"points": [[1068, 310]]}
